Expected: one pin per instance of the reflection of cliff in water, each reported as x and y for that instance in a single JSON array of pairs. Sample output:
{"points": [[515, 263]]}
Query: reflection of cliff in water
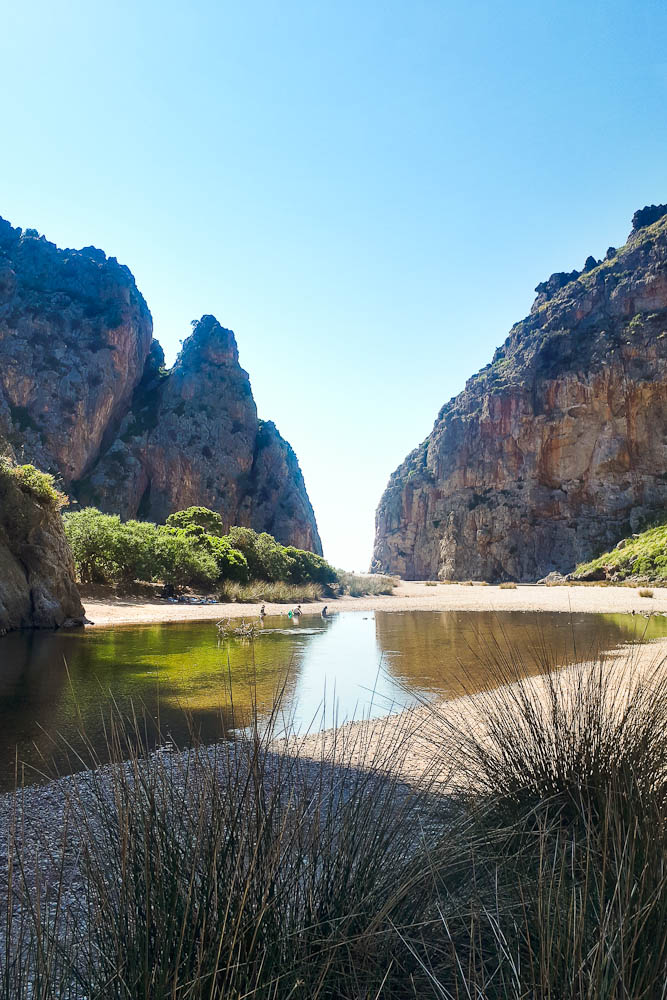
{"points": [[454, 652], [179, 680]]}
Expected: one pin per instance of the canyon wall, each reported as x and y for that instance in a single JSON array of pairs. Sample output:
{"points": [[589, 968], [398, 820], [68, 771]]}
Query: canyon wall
{"points": [[556, 449], [84, 394]]}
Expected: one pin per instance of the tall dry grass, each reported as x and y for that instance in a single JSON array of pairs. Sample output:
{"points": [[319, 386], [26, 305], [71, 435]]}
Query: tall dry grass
{"points": [[364, 585], [273, 592]]}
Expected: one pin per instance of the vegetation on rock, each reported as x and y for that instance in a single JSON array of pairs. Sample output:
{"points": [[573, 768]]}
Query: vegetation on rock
{"points": [[40, 485], [642, 557], [37, 578]]}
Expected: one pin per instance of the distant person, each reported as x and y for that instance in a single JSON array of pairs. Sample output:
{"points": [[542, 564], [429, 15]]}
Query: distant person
{"points": [[324, 611], [262, 611]]}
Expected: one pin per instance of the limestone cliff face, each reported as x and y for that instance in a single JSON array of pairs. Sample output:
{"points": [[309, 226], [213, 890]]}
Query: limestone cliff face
{"points": [[84, 394], [37, 579], [74, 336], [557, 448]]}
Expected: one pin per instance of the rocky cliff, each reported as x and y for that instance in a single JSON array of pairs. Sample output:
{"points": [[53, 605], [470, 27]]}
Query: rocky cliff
{"points": [[37, 579], [84, 394], [556, 449]]}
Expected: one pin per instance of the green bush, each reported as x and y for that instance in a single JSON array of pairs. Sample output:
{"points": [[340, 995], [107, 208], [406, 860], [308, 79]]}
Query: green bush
{"points": [[92, 538], [202, 517], [306, 567], [183, 553], [180, 563], [269, 560]]}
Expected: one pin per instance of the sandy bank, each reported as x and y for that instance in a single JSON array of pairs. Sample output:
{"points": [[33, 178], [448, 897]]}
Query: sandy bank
{"points": [[408, 596]]}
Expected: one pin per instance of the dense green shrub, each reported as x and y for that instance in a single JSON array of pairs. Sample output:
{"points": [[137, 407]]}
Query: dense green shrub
{"points": [[92, 538], [306, 567], [202, 517], [268, 560], [182, 563], [184, 552]]}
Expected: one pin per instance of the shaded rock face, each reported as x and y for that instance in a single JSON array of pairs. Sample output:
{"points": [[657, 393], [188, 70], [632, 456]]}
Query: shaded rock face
{"points": [[557, 448], [84, 394], [37, 578]]}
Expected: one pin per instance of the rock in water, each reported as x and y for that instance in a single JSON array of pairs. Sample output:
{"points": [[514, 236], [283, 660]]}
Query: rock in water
{"points": [[84, 394], [37, 579], [557, 448]]}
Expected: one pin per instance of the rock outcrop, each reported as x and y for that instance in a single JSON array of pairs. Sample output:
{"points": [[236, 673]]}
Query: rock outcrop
{"points": [[192, 436], [84, 394], [556, 449], [37, 578]]}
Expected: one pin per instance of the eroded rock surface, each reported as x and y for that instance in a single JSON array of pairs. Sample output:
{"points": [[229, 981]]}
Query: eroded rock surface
{"points": [[556, 449], [84, 394]]}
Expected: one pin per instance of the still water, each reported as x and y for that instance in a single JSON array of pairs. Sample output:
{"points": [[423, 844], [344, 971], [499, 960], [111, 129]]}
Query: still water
{"points": [[180, 677]]}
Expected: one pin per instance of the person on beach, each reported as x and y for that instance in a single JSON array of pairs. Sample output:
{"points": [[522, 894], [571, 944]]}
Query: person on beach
{"points": [[324, 611]]}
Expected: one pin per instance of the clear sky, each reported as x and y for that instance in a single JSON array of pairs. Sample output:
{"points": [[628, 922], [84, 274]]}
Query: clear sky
{"points": [[365, 191]]}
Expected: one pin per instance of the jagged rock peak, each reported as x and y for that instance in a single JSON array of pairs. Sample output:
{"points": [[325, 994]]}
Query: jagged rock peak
{"points": [[647, 215], [211, 342], [556, 449]]}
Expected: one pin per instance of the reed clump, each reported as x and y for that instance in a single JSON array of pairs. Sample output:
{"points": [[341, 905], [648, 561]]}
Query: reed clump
{"points": [[277, 592], [363, 585]]}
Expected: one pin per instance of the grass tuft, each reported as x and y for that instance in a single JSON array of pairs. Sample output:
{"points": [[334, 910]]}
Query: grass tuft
{"points": [[232, 592], [360, 585], [507, 585]]}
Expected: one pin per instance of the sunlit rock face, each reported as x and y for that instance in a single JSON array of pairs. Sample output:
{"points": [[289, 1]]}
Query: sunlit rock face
{"points": [[84, 394], [192, 436], [556, 449], [74, 336]]}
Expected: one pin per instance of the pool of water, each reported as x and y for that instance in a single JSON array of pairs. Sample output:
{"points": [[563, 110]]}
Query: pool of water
{"points": [[182, 677]]}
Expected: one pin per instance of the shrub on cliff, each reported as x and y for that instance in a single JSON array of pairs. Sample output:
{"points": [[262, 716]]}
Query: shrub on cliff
{"points": [[40, 485], [643, 556]]}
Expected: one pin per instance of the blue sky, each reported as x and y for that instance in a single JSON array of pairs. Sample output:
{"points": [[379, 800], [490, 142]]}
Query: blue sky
{"points": [[366, 192]]}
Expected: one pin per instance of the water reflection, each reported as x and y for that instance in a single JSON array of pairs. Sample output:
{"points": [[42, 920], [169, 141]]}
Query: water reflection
{"points": [[450, 652], [181, 677]]}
